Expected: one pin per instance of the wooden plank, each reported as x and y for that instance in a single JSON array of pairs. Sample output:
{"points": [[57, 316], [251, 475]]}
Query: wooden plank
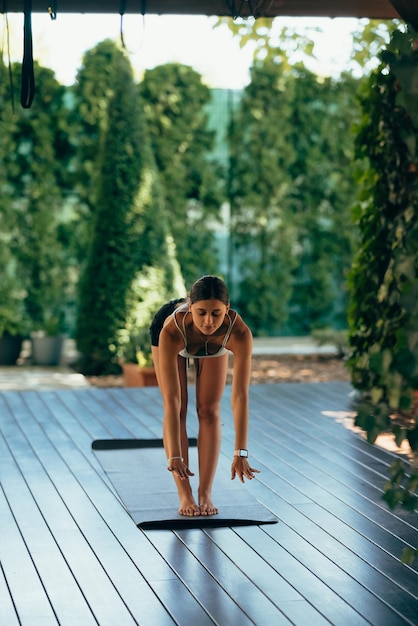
{"points": [[70, 431], [351, 444], [89, 420], [355, 559], [7, 608], [341, 441], [329, 476], [325, 599], [245, 564], [290, 471], [332, 406], [86, 542], [134, 416], [19, 571], [209, 574], [328, 467], [183, 606], [349, 579], [357, 604], [146, 404], [333, 557], [124, 572], [341, 454], [53, 536]]}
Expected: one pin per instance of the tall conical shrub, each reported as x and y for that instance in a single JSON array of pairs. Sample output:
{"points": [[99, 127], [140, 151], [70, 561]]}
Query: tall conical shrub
{"points": [[128, 230]]}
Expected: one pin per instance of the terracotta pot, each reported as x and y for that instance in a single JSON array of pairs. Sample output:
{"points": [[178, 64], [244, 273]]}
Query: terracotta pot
{"points": [[135, 376], [415, 403]]}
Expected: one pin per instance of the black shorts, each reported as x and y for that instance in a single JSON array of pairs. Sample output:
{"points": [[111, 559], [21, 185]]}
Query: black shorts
{"points": [[160, 317]]}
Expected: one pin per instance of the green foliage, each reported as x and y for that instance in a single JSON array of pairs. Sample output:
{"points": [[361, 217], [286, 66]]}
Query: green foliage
{"points": [[90, 95], [117, 247], [401, 490], [174, 100], [319, 146], [128, 234], [261, 228], [149, 291], [383, 313], [270, 40], [409, 555], [369, 40], [330, 336], [288, 45], [321, 198], [290, 193], [402, 487], [89, 98], [35, 151], [135, 347], [13, 317]]}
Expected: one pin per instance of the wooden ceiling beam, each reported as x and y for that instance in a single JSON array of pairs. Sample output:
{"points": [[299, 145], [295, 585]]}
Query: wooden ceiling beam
{"points": [[408, 11], [380, 9]]}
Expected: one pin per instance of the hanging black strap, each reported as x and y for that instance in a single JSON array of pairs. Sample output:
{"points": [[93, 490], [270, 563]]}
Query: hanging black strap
{"points": [[122, 9], [52, 10], [28, 76]]}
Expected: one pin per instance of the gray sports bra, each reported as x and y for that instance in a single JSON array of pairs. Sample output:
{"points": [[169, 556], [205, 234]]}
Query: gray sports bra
{"points": [[202, 354]]}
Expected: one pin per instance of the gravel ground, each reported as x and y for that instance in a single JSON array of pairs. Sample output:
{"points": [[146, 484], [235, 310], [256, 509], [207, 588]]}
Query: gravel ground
{"points": [[297, 369], [272, 369]]}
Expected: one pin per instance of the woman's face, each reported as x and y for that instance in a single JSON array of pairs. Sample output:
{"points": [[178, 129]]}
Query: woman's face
{"points": [[208, 315]]}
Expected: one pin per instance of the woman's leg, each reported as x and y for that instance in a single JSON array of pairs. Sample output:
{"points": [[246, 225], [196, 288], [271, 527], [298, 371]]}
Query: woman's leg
{"points": [[188, 504], [210, 384]]}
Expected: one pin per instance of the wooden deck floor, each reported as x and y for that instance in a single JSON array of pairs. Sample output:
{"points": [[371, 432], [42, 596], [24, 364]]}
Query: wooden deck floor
{"points": [[71, 555]]}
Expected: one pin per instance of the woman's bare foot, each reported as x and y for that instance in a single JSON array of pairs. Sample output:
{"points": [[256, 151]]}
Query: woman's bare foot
{"points": [[206, 506], [188, 506]]}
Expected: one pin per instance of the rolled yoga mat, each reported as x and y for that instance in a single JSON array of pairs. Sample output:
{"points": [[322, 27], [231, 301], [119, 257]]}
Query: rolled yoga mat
{"points": [[137, 470]]}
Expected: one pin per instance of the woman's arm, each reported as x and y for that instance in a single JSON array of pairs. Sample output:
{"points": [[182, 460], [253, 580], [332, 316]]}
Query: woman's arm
{"points": [[168, 349], [241, 346]]}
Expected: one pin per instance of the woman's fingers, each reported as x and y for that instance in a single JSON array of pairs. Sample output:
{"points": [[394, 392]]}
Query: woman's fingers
{"points": [[241, 468], [180, 469]]}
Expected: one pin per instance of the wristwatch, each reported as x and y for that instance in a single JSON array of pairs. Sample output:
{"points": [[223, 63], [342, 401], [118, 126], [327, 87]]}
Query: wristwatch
{"points": [[243, 453]]}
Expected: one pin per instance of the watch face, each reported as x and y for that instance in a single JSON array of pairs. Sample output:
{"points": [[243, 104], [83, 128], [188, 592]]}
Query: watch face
{"points": [[243, 453]]}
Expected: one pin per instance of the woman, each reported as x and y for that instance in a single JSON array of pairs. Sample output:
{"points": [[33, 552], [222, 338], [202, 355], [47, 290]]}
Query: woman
{"points": [[205, 329]]}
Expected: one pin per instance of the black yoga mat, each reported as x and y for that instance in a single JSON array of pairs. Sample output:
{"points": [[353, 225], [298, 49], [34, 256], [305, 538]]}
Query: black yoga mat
{"points": [[137, 470]]}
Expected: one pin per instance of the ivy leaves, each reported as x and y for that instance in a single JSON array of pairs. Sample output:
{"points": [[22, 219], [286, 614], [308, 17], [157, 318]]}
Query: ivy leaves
{"points": [[383, 282]]}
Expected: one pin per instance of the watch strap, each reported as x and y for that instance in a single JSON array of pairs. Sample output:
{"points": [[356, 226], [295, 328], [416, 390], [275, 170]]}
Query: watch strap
{"points": [[241, 452]]}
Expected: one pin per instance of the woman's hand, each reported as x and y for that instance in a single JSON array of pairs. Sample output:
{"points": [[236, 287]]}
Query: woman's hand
{"points": [[240, 467], [179, 468]]}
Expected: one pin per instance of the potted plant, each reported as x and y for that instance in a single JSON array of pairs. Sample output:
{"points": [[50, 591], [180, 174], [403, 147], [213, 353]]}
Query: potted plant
{"points": [[48, 342], [136, 359], [11, 339], [13, 320], [48, 304]]}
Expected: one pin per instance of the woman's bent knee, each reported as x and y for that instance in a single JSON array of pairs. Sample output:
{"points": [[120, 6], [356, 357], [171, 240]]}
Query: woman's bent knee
{"points": [[208, 413]]}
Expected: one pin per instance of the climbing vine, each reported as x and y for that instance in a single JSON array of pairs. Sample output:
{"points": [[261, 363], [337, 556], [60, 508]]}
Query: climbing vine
{"points": [[383, 282]]}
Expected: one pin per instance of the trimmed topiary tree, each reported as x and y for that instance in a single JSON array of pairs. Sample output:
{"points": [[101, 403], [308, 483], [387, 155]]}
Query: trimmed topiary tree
{"points": [[128, 231]]}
